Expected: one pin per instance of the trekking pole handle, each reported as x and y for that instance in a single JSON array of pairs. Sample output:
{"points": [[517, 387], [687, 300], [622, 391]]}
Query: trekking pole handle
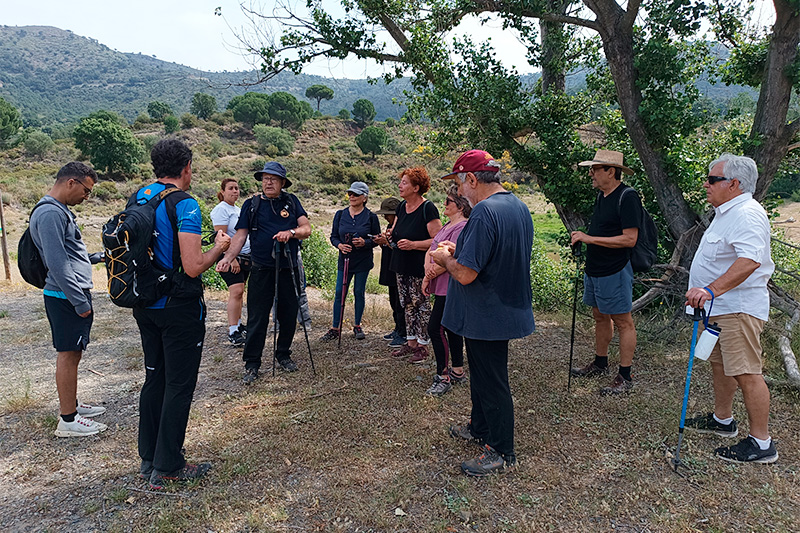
{"points": [[699, 314], [576, 249]]}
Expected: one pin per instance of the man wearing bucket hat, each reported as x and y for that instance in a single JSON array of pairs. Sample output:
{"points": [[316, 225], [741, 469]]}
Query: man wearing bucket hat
{"points": [[387, 278], [728, 277], [608, 277], [274, 220], [488, 303]]}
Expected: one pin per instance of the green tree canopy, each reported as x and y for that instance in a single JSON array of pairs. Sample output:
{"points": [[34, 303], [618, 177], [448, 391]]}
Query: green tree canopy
{"points": [[38, 143], [270, 139], [363, 111], [372, 139], [109, 145], [203, 105], [287, 111], [158, 110], [319, 92], [10, 121], [250, 108]]}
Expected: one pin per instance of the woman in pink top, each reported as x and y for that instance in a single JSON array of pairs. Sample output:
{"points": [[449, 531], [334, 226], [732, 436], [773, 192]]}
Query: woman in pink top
{"points": [[445, 343]]}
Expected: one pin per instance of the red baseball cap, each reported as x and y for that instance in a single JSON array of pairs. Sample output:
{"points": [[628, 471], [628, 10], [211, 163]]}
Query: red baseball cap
{"points": [[474, 161]]}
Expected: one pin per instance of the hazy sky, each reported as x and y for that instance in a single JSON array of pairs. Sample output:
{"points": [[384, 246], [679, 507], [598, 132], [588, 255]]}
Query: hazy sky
{"points": [[188, 32]]}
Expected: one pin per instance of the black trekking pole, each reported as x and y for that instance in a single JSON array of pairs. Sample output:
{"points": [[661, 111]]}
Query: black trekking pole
{"points": [[344, 298], [576, 253], [277, 257], [288, 256], [699, 314]]}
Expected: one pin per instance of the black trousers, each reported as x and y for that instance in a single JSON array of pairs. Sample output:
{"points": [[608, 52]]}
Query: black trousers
{"points": [[260, 297], [446, 344], [492, 406], [398, 313], [172, 341]]}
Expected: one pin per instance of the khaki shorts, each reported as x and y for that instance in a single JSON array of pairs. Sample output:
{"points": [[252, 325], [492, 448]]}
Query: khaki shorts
{"points": [[739, 347]]}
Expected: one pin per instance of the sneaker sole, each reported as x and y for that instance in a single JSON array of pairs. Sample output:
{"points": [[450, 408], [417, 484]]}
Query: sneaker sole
{"points": [[60, 433], [726, 434], [505, 469], [763, 460]]}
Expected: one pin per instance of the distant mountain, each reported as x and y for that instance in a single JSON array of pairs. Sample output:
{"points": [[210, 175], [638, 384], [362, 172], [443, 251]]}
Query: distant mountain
{"points": [[54, 76]]}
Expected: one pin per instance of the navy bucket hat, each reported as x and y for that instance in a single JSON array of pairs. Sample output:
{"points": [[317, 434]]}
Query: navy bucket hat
{"points": [[274, 168]]}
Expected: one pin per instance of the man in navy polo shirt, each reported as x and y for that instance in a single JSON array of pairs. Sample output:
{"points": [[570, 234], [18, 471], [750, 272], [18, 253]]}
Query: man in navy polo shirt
{"points": [[273, 217], [488, 303]]}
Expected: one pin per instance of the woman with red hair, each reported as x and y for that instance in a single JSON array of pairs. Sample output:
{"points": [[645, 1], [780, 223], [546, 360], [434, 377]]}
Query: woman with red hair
{"points": [[416, 223]]}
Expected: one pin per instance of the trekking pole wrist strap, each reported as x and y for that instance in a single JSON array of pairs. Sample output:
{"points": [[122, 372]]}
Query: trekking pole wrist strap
{"points": [[710, 306]]}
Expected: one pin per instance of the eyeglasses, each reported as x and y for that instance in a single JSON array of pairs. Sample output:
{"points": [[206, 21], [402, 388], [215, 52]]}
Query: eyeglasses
{"points": [[716, 179], [595, 168], [86, 190], [270, 178], [351, 194], [449, 200]]}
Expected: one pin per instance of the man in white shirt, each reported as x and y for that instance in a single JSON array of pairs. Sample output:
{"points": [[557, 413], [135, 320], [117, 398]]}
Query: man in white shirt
{"points": [[728, 277]]}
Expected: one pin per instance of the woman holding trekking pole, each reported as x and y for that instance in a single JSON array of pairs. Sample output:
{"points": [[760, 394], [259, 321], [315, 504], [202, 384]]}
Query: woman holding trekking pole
{"points": [[351, 235], [224, 217]]}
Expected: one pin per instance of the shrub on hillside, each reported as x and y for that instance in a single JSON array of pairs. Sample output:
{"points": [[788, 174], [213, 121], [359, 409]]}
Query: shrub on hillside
{"points": [[335, 174], [38, 143], [319, 261], [344, 114], [279, 138], [106, 190], [372, 140], [110, 145], [171, 124], [189, 121], [223, 119]]}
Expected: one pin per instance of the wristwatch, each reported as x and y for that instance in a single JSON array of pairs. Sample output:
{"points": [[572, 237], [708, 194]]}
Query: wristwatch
{"points": [[293, 232]]}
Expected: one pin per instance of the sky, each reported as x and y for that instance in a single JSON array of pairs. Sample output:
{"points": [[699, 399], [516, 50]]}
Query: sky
{"points": [[189, 33]]}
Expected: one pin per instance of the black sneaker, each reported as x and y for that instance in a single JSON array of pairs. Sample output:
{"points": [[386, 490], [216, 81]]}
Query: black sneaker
{"points": [[397, 341], [464, 431], [331, 335], [707, 424], [589, 371], [390, 336], [288, 365], [190, 472], [489, 462], [359, 333], [243, 330], [237, 339], [747, 451], [146, 470], [250, 375]]}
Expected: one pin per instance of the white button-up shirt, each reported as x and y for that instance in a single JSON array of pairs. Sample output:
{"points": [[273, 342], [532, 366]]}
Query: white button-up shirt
{"points": [[740, 229]]}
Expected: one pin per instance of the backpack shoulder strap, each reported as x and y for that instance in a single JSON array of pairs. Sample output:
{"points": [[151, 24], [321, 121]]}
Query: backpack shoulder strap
{"points": [[255, 202]]}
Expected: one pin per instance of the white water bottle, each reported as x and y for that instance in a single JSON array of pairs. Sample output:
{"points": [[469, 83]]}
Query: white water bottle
{"points": [[708, 339]]}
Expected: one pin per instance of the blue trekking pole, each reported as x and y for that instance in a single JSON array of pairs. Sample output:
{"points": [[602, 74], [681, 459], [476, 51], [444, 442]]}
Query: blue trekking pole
{"points": [[699, 314]]}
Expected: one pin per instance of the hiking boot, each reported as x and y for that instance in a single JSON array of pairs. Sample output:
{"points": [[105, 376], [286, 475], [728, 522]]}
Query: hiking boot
{"points": [[88, 411], [403, 351], [80, 427], [359, 333], [146, 470], [439, 387], [707, 424], [398, 340], [489, 462], [190, 472], [250, 375], [236, 339], [464, 431], [620, 385], [747, 451], [589, 371], [331, 335], [390, 336], [457, 379], [288, 365], [420, 354]]}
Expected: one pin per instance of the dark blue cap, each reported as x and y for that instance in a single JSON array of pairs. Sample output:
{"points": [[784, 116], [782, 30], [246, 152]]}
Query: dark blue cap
{"points": [[274, 168]]}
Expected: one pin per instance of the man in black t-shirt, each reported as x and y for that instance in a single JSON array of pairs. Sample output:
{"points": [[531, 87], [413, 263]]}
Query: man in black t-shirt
{"points": [[608, 279], [277, 216]]}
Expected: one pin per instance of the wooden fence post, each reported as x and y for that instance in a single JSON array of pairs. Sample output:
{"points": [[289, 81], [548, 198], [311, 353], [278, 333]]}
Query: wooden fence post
{"points": [[4, 239]]}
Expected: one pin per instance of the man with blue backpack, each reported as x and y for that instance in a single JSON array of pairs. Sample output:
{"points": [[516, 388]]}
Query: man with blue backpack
{"points": [[608, 279]]}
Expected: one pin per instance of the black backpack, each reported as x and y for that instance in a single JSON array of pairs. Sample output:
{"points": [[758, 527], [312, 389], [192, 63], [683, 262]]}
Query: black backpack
{"points": [[29, 260], [133, 278], [645, 251]]}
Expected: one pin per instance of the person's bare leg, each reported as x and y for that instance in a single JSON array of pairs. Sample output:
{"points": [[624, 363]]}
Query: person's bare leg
{"points": [[627, 338], [603, 331], [724, 389], [67, 380], [235, 298], [756, 400]]}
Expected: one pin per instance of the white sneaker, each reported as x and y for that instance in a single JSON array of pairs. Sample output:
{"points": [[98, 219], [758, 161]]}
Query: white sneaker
{"points": [[80, 427], [88, 411]]}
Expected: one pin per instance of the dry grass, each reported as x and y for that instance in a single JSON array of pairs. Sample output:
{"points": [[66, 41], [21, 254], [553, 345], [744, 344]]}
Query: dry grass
{"points": [[358, 447]]}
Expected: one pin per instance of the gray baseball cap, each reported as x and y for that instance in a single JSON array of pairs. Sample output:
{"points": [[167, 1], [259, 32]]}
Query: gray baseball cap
{"points": [[359, 187]]}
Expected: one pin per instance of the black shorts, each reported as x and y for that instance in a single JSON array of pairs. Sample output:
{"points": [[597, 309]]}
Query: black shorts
{"points": [[240, 277], [70, 331]]}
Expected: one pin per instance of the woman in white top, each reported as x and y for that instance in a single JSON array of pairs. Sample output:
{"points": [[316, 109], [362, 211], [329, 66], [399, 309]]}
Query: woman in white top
{"points": [[224, 217]]}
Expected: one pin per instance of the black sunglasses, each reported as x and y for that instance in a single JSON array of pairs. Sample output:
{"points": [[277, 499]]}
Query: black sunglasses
{"points": [[716, 179], [86, 190]]}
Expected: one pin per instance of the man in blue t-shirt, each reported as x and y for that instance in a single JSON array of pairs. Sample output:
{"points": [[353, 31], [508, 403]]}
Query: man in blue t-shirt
{"points": [[488, 303], [608, 279], [173, 329], [276, 223]]}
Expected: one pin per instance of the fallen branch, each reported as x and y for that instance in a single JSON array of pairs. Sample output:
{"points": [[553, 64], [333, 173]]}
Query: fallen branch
{"points": [[96, 372], [289, 400]]}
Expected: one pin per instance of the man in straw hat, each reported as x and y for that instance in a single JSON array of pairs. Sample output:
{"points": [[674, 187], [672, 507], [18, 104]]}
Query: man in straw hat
{"points": [[488, 303], [608, 277]]}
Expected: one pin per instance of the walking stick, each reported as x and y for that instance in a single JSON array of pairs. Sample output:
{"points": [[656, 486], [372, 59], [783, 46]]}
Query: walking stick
{"points": [[576, 253], [277, 257], [344, 298], [699, 314], [297, 292]]}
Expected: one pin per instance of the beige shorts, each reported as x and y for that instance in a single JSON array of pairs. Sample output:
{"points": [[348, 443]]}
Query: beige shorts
{"points": [[739, 347]]}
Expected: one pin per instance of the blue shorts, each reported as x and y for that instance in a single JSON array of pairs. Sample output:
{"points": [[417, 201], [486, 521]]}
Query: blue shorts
{"points": [[611, 295]]}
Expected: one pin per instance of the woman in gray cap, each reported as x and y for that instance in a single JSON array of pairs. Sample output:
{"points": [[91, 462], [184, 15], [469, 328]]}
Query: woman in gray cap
{"points": [[350, 235]]}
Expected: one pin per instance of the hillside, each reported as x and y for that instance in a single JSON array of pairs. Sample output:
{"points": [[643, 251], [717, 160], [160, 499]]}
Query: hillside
{"points": [[55, 76]]}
